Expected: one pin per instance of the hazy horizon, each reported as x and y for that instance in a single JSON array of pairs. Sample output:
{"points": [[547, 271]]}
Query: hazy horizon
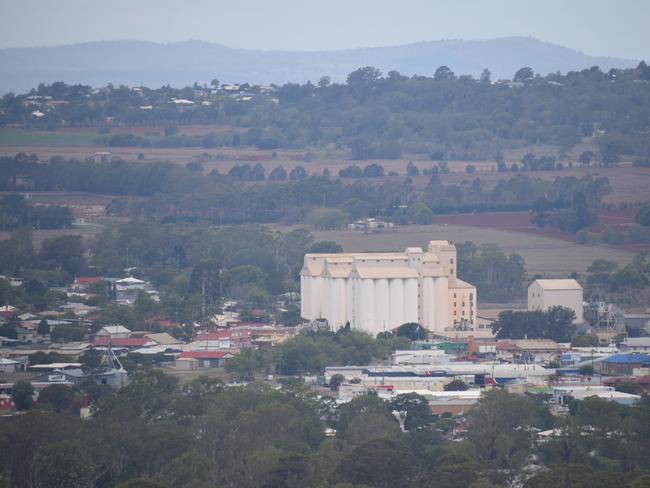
{"points": [[597, 27]]}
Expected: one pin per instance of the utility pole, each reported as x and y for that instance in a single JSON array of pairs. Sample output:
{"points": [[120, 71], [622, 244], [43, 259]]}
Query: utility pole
{"points": [[203, 296]]}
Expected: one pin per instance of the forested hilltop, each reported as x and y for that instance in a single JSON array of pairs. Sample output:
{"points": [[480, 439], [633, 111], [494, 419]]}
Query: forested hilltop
{"points": [[373, 115]]}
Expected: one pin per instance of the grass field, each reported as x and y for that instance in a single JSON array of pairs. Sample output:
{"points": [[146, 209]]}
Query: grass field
{"points": [[17, 137], [543, 255]]}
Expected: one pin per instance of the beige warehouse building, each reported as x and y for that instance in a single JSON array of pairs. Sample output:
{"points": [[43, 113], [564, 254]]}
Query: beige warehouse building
{"points": [[377, 292], [544, 294]]}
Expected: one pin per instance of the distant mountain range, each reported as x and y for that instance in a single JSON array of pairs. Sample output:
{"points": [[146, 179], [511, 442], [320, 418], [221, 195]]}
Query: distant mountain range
{"points": [[182, 63]]}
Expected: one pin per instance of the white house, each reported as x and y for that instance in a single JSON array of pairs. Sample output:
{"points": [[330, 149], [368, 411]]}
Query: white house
{"points": [[114, 332], [544, 294]]}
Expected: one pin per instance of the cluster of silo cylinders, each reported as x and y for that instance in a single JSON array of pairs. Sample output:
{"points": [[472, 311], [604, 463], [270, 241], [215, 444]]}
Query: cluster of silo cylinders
{"points": [[305, 296], [335, 302], [382, 304], [376, 304], [316, 291], [434, 306]]}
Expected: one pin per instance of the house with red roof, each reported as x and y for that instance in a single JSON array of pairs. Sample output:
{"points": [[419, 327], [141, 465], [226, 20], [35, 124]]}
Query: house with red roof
{"points": [[126, 343], [83, 283], [190, 360]]}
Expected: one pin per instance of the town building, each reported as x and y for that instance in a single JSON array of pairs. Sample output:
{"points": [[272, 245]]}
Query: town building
{"points": [[9, 365], [377, 292], [562, 395], [635, 344], [624, 364], [545, 294], [114, 332], [191, 360]]}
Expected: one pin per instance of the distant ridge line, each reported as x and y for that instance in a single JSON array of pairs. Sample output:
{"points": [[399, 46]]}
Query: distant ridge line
{"points": [[181, 63]]}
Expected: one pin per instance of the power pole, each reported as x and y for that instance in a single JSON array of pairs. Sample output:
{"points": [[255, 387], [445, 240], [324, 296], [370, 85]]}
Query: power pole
{"points": [[203, 296]]}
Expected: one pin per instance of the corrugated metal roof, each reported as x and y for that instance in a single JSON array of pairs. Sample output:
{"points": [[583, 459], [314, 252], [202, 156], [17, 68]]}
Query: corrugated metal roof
{"points": [[628, 359], [122, 342], [558, 284], [458, 283], [204, 355], [637, 342]]}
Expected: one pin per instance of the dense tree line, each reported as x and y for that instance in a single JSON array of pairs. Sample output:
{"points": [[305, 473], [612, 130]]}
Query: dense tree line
{"points": [[16, 213], [379, 116], [497, 276], [159, 433], [176, 193], [59, 259], [190, 264], [309, 352], [607, 281], [555, 324]]}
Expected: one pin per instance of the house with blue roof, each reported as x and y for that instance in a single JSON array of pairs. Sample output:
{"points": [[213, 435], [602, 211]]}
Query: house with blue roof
{"points": [[624, 364]]}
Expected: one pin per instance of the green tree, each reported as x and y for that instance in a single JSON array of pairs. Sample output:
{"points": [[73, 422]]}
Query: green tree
{"points": [[278, 174], [443, 73], [327, 218], [22, 395], [40, 357], [413, 331], [416, 408], [356, 208], [67, 333], [58, 397], [64, 464], [586, 157], [555, 324], [188, 470], [43, 327], [65, 253], [362, 78], [91, 361], [524, 74], [207, 279], [298, 173], [419, 213], [501, 428], [329, 247], [336, 381], [368, 404], [8, 331], [643, 216], [573, 476], [411, 169], [382, 463], [640, 482]]}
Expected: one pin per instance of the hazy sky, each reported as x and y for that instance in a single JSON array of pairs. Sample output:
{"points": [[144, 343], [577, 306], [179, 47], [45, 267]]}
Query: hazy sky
{"points": [[596, 27]]}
